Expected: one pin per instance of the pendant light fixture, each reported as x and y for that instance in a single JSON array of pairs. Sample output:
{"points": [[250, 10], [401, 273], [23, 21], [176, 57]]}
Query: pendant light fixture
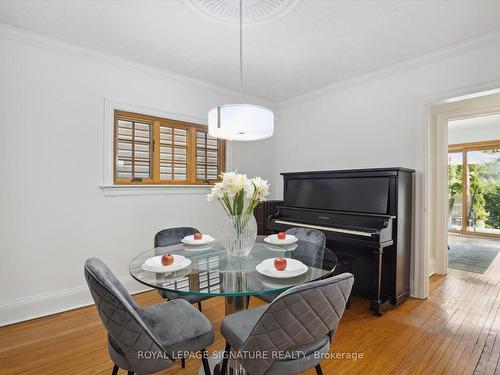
{"points": [[241, 122]]}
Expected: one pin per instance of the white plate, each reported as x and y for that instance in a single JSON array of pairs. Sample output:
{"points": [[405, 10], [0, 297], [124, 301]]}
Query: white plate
{"points": [[291, 247], [293, 268], [205, 239], [154, 264], [273, 239]]}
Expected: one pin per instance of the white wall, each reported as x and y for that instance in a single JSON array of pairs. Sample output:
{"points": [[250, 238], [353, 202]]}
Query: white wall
{"points": [[374, 122], [53, 214], [258, 159]]}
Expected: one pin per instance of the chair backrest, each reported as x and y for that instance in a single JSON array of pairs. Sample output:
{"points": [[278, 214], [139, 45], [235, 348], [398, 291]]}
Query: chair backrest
{"points": [[172, 236], [299, 316], [118, 313], [309, 235], [312, 255]]}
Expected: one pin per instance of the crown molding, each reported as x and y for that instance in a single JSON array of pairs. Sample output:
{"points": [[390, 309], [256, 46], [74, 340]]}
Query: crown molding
{"points": [[22, 35], [482, 41], [17, 34]]}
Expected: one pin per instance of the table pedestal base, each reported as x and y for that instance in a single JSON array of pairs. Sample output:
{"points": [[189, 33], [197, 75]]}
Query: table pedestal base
{"points": [[215, 363], [233, 305]]}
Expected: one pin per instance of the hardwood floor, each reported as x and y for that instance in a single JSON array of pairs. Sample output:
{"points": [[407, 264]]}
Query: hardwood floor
{"points": [[455, 331]]}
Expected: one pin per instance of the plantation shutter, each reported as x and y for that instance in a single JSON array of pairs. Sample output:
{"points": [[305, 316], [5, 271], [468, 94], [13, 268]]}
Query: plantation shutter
{"points": [[173, 153], [207, 157], [133, 150], [151, 150]]}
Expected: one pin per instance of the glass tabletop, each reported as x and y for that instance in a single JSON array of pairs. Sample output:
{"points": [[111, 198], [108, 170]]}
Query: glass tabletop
{"points": [[213, 272]]}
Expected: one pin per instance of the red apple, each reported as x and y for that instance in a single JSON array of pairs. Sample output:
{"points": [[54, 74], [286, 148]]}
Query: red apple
{"points": [[167, 259], [198, 236], [281, 235], [280, 264]]}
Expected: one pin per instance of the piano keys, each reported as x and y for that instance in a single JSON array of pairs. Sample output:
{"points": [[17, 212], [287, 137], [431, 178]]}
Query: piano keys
{"points": [[366, 215]]}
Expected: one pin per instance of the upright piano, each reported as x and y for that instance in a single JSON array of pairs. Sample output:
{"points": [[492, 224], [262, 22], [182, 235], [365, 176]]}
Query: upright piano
{"points": [[366, 215]]}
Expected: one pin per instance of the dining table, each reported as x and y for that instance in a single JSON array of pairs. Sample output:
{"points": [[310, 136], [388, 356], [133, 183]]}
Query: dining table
{"points": [[214, 272]]}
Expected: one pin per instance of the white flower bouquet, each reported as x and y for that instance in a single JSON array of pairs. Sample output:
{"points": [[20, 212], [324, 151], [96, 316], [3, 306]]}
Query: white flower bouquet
{"points": [[239, 195]]}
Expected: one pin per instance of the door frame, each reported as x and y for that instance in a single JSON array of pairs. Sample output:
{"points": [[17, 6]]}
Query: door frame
{"points": [[437, 168], [422, 265]]}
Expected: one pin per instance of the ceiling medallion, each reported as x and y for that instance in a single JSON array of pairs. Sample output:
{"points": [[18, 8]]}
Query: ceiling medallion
{"points": [[254, 11]]}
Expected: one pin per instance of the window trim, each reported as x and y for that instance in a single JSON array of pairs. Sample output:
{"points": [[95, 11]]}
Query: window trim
{"points": [[191, 148], [106, 180]]}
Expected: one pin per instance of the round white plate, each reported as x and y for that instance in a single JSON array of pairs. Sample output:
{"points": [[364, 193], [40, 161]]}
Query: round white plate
{"points": [[205, 239], [293, 268], [273, 239], [154, 264], [291, 247]]}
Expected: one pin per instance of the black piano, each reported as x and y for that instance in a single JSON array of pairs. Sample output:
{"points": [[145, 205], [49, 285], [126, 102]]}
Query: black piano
{"points": [[366, 215]]}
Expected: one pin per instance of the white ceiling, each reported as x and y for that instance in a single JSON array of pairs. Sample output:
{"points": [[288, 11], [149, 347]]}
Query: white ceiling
{"points": [[486, 121], [317, 43]]}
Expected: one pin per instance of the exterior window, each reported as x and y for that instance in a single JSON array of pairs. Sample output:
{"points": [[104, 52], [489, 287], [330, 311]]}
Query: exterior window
{"points": [[474, 188], [157, 151]]}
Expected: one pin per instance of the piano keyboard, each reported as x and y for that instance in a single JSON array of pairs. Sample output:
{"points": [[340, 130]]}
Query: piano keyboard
{"points": [[339, 230]]}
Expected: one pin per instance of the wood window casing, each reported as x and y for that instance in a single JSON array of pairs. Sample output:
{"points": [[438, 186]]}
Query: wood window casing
{"points": [[463, 148], [174, 153]]}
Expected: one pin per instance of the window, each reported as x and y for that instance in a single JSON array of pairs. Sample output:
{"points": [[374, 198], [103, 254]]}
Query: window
{"points": [[151, 150], [474, 188]]}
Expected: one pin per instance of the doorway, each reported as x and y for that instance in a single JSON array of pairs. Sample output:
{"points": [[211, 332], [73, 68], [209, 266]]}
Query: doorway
{"points": [[473, 192], [462, 182]]}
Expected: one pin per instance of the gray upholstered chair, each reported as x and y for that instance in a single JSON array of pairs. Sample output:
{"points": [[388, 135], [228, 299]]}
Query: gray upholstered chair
{"points": [[299, 324], [145, 340], [304, 234], [172, 236]]}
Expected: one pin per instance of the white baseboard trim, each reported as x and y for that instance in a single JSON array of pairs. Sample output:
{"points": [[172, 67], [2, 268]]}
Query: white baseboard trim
{"points": [[37, 306]]}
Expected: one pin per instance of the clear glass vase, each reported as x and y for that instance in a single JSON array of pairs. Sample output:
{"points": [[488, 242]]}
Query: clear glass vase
{"points": [[239, 234]]}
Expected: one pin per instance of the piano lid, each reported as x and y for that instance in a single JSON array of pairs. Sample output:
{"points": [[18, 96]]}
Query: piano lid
{"points": [[388, 171], [362, 191], [349, 193]]}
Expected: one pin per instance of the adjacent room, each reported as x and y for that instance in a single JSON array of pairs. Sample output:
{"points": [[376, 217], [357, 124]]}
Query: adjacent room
{"points": [[474, 205], [249, 187]]}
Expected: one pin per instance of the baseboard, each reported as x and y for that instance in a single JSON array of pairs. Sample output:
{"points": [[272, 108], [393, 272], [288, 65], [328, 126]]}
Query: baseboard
{"points": [[33, 307]]}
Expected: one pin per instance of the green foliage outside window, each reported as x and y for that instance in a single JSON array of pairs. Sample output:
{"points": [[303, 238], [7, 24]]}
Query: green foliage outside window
{"points": [[484, 187], [492, 205], [477, 191], [454, 180]]}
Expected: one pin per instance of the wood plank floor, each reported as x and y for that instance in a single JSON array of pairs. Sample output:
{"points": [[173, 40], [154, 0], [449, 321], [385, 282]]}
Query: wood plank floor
{"points": [[455, 331]]}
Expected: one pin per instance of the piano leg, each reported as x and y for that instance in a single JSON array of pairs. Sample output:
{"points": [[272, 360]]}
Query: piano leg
{"points": [[376, 303]]}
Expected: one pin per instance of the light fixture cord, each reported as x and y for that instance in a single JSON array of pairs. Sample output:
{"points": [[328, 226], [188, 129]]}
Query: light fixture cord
{"points": [[241, 50]]}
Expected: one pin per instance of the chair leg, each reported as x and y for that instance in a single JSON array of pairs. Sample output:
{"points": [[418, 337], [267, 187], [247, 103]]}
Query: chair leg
{"points": [[319, 371], [204, 360], [183, 362], [115, 370], [199, 306], [227, 352], [348, 303]]}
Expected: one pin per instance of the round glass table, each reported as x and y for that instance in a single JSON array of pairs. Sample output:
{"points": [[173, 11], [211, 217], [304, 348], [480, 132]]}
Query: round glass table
{"points": [[213, 272]]}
